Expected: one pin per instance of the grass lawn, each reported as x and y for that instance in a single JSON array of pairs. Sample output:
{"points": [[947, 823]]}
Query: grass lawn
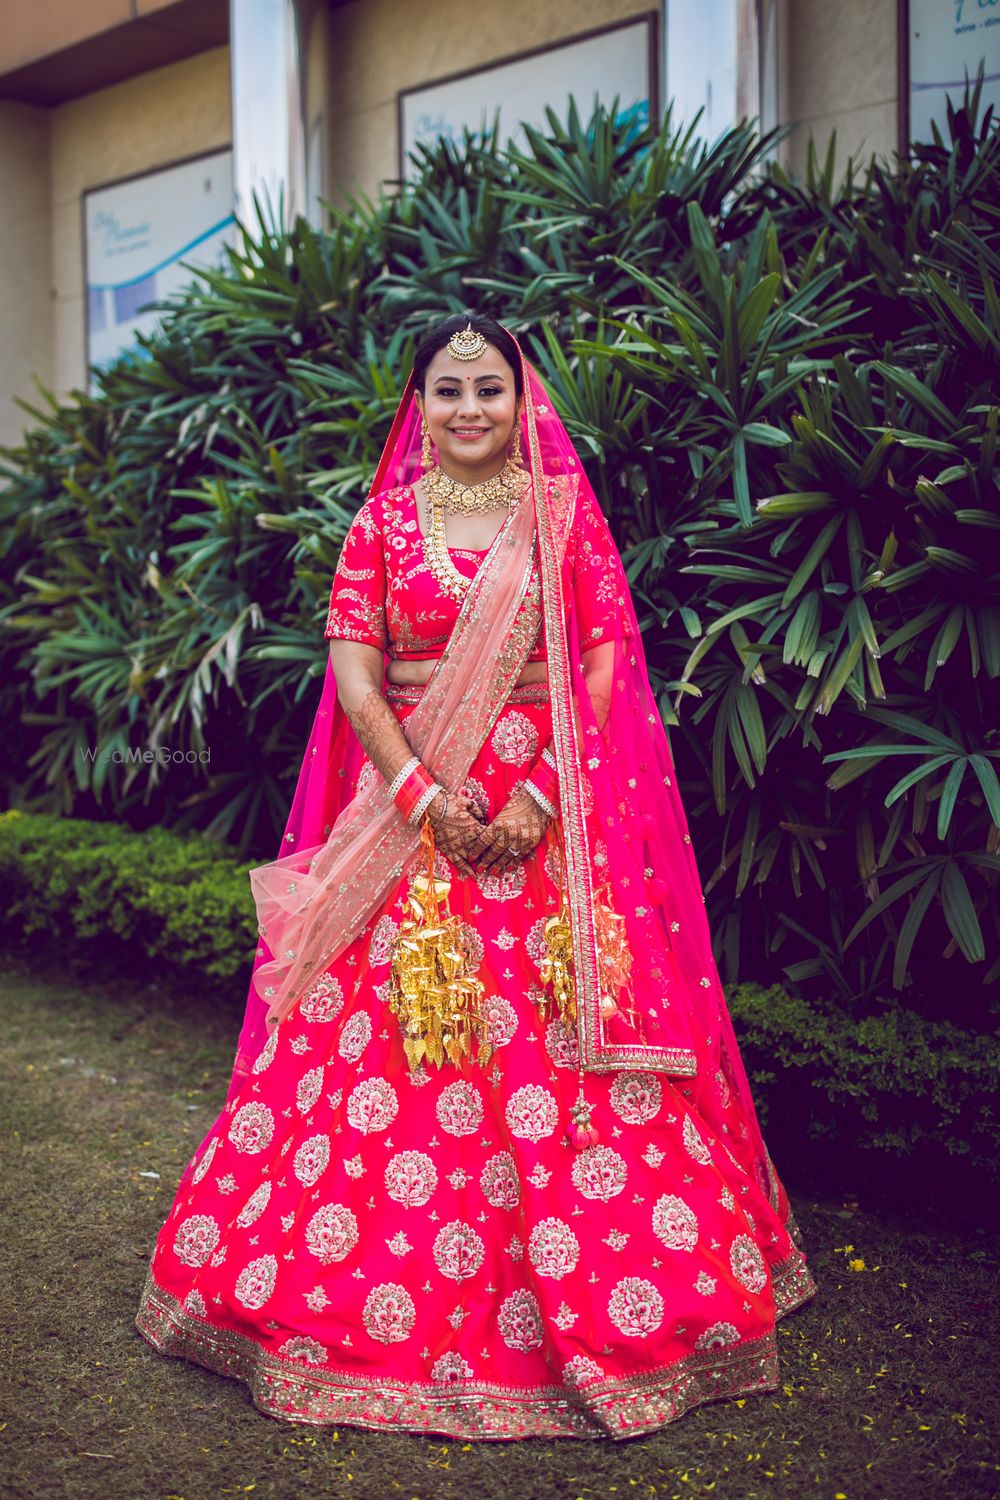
{"points": [[888, 1384]]}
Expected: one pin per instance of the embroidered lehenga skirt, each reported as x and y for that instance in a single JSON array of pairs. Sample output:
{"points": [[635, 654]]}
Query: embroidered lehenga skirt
{"points": [[426, 1250]]}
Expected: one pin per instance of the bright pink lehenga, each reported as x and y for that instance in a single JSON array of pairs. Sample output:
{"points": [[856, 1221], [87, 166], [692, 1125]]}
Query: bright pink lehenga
{"points": [[427, 1250]]}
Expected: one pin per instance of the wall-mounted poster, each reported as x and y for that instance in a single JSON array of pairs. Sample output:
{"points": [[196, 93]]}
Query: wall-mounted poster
{"points": [[141, 236], [615, 62], [939, 42]]}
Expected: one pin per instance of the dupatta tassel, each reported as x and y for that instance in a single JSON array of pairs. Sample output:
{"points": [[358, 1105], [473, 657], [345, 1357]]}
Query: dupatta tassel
{"points": [[432, 993]]}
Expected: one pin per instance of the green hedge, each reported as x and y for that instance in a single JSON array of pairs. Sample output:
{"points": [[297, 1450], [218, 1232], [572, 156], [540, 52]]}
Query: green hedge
{"points": [[831, 1087], [100, 893], [838, 1096]]}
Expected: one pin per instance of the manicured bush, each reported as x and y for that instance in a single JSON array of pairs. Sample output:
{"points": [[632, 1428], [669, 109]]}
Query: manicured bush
{"points": [[151, 903], [888, 1087]]}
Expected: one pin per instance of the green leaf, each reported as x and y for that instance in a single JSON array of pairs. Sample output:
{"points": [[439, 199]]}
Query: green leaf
{"points": [[949, 796], [989, 783], [960, 913], [912, 923]]}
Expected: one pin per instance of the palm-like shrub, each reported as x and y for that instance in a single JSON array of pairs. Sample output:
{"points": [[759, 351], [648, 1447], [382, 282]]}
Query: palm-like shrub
{"points": [[785, 393]]}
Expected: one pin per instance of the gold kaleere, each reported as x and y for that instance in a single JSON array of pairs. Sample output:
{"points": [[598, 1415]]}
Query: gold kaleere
{"points": [[557, 968], [432, 993], [613, 954]]}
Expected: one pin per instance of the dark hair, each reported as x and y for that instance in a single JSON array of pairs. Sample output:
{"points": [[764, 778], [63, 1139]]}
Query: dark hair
{"points": [[436, 339]]}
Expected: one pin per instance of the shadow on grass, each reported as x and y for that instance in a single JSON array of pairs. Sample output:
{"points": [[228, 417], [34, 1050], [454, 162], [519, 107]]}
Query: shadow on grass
{"points": [[108, 1088]]}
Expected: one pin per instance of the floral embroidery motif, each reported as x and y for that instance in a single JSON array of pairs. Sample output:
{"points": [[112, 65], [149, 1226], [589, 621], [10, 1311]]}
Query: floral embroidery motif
{"points": [[561, 1043], [300, 1347], [332, 1233], [599, 1173], [309, 1088], [717, 1336], [499, 1182], [459, 1108], [693, 1143], [458, 1251], [266, 1055], [635, 1307], [749, 1265], [505, 886], [382, 938], [255, 1282], [323, 1002], [356, 1035], [196, 1238], [534, 942], [519, 1321], [410, 1178], [194, 1303], [312, 1159], [206, 1159], [389, 1313], [675, 1223], [553, 1249], [252, 1128], [705, 1284], [450, 1368], [636, 1097], [372, 1105], [499, 1020], [531, 1112], [255, 1205], [515, 739], [581, 1371]]}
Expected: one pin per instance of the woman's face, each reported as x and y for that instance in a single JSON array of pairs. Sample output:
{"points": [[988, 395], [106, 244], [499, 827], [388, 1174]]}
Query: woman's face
{"points": [[470, 406]]}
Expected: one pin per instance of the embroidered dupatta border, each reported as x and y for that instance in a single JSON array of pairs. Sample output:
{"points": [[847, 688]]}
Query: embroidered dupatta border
{"points": [[616, 1407], [595, 1055]]}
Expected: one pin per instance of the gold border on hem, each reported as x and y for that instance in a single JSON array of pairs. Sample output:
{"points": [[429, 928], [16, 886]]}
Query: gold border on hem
{"points": [[615, 1407]]}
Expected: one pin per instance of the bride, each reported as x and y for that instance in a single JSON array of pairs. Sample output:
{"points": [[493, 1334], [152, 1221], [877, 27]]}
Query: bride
{"points": [[489, 1164]]}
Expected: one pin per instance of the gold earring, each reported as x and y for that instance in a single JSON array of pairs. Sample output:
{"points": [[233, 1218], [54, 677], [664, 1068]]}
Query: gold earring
{"points": [[426, 456], [516, 447]]}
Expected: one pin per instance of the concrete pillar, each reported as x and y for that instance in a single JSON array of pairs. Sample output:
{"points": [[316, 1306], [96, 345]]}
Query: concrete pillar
{"points": [[268, 116]]}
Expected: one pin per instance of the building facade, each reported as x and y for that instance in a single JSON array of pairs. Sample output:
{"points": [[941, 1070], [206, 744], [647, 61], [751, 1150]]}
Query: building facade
{"points": [[314, 97]]}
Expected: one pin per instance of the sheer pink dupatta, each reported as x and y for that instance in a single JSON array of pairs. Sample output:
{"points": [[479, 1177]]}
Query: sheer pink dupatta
{"points": [[345, 857], [625, 836]]}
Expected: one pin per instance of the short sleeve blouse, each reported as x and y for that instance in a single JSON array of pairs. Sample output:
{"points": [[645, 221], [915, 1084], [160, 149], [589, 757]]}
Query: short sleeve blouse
{"points": [[386, 595]]}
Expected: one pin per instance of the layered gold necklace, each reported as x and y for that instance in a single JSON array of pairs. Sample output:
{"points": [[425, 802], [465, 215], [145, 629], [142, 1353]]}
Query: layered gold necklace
{"points": [[458, 498], [447, 495]]}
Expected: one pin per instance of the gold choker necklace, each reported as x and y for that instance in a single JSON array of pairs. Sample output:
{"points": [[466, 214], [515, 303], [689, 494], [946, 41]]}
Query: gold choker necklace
{"points": [[456, 497]]}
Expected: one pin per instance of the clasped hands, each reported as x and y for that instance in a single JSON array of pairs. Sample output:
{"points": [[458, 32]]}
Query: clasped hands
{"points": [[476, 847]]}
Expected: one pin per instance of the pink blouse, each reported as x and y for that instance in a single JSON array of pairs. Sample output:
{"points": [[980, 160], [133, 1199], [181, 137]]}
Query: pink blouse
{"points": [[386, 594]]}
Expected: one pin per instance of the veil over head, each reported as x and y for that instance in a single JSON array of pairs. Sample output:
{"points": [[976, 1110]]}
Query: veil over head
{"points": [[626, 848]]}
